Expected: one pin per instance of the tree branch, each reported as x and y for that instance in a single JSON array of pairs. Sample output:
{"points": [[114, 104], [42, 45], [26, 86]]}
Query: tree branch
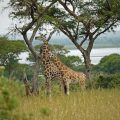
{"points": [[35, 29], [50, 35], [18, 29], [28, 27], [83, 40], [70, 36], [30, 46], [67, 9], [107, 28]]}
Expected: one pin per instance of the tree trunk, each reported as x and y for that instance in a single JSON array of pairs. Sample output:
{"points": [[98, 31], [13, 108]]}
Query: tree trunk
{"points": [[35, 86], [87, 62], [26, 83]]}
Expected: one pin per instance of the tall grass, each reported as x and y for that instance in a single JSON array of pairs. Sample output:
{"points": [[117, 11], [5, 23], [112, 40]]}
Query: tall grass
{"points": [[90, 105]]}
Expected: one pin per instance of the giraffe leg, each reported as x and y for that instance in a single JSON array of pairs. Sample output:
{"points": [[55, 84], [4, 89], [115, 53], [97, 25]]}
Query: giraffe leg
{"points": [[66, 87], [48, 87], [61, 84], [82, 85]]}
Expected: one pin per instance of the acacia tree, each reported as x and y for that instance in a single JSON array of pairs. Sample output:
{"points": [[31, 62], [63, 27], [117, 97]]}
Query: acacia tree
{"points": [[30, 14], [84, 21]]}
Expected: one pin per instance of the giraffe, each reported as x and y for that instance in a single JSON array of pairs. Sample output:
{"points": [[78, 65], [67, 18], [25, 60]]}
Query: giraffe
{"points": [[51, 72], [66, 74]]}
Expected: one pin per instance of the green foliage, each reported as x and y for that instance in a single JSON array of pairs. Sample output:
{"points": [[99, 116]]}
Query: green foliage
{"points": [[8, 99], [10, 95], [109, 64], [75, 88], [59, 49], [11, 46], [9, 52], [103, 80], [18, 73]]}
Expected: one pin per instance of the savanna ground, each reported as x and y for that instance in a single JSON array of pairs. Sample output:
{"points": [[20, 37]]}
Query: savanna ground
{"points": [[90, 105], [95, 104]]}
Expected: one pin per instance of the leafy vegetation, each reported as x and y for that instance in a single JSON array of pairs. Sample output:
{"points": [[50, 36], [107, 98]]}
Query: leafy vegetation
{"points": [[9, 54], [106, 74], [109, 64], [10, 94]]}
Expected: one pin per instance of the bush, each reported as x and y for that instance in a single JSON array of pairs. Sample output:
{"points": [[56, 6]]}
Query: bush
{"points": [[10, 94], [106, 81], [109, 64]]}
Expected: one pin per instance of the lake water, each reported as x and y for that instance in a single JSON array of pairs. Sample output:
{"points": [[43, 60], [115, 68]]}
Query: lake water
{"points": [[96, 54]]}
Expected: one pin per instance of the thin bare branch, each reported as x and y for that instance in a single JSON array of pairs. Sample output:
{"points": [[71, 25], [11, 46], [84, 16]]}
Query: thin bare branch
{"points": [[39, 22], [18, 29], [70, 36], [83, 40], [31, 48], [67, 9], [107, 28], [50, 35]]}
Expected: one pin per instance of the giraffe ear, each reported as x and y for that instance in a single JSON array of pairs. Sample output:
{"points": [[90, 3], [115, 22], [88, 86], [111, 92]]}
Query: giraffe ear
{"points": [[42, 38]]}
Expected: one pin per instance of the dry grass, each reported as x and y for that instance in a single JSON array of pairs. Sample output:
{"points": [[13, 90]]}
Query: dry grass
{"points": [[90, 105]]}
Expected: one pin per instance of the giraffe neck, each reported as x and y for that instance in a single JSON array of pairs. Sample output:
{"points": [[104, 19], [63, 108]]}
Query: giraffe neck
{"points": [[45, 54]]}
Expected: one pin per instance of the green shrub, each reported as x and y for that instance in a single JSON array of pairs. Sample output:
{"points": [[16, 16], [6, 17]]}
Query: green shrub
{"points": [[109, 64], [10, 94], [106, 81]]}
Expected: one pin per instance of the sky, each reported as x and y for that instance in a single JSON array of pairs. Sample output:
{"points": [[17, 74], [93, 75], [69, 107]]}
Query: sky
{"points": [[6, 22]]}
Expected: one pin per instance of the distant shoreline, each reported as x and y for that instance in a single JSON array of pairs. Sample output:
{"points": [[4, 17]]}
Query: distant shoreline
{"points": [[74, 48], [96, 54]]}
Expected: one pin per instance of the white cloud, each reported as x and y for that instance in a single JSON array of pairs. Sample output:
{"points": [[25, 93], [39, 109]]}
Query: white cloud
{"points": [[5, 21]]}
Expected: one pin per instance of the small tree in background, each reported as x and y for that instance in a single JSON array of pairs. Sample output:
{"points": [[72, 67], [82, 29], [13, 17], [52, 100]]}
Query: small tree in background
{"points": [[109, 64], [9, 54]]}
